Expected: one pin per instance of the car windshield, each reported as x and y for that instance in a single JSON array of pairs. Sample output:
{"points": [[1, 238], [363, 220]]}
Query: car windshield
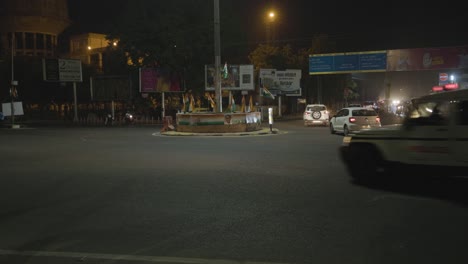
{"points": [[423, 109], [428, 113], [316, 108], [364, 112]]}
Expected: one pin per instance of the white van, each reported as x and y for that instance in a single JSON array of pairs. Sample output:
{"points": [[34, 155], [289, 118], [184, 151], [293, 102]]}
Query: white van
{"points": [[432, 139]]}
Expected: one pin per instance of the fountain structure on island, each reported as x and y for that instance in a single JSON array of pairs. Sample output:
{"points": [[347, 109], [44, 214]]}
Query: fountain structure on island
{"points": [[218, 122], [231, 121]]}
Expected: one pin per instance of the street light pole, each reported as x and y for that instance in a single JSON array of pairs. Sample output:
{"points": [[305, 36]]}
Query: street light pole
{"points": [[13, 83], [217, 76]]}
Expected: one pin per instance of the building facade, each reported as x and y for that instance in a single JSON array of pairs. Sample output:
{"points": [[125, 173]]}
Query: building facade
{"points": [[89, 48], [33, 26]]}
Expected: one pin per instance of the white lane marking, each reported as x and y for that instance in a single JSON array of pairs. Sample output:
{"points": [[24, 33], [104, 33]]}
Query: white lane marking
{"points": [[158, 134], [155, 259]]}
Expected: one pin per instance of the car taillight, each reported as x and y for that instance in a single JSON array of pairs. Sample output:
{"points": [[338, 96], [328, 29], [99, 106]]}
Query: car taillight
{"points": [[377, 119], [352, 119]]}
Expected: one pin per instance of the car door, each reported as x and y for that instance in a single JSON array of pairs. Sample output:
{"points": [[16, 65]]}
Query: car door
{"points": [[342, 119], [459, 144], [336, 118], [426, 138]]}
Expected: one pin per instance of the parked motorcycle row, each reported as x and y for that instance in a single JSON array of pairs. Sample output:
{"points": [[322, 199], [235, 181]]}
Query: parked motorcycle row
{"points": [[128, 118]]}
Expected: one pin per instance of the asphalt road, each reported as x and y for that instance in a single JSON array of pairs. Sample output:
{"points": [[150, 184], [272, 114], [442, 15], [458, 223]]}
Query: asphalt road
{"points": [[130, 195]]}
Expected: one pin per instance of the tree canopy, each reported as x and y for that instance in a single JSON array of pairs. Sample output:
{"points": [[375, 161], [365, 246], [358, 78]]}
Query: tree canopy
{"points": [[172, 34]]}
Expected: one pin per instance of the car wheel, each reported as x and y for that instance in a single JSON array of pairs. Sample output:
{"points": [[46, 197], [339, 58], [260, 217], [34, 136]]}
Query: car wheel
{"points": [[345, 130], [332, 131], [364, 163]]}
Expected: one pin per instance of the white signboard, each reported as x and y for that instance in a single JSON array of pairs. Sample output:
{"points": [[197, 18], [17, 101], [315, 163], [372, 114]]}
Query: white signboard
{"points": [[18, 108], [62, 70], [70, 70], [286, 82]]}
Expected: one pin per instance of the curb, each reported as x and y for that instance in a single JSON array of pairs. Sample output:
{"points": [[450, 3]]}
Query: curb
{"points": [[262, 132]]}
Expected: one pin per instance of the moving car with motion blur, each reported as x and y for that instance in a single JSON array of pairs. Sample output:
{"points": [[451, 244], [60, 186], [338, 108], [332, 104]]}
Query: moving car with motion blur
{"points": [[433, 140], [316, 114], [352, 119]]}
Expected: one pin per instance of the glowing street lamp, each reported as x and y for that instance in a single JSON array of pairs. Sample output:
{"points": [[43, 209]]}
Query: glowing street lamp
{"points": [[271, 17]]}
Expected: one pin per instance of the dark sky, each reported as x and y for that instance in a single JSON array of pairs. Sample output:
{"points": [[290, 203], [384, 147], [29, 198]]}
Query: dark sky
{"points": [[354, 24]]}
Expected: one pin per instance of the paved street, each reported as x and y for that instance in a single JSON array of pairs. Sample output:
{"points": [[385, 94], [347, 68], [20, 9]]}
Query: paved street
{"points": [[131, 195]]}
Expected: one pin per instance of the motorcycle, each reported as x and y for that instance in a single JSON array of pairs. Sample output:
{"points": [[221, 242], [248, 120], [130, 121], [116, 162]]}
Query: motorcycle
{"points": [[129, 118], [109, 120]]}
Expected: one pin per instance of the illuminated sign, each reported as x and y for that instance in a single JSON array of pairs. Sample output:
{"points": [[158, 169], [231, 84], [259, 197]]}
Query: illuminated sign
{"points": [[451, 86], [437, 88]]}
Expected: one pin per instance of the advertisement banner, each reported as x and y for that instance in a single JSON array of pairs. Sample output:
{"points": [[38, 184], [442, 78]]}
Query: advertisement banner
{"points": [[287, 82], [233, 77], [427, 59], [158, 80]]}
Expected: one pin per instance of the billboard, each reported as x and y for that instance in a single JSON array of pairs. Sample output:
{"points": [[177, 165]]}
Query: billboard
{"points": [[233, 77], [287, 82], [418, 59], [333, 63], [154, 80], [427, 59]]}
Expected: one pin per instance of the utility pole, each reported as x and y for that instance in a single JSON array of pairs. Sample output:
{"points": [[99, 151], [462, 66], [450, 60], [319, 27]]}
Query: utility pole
{"points": [[217, 76], [13, 91]]}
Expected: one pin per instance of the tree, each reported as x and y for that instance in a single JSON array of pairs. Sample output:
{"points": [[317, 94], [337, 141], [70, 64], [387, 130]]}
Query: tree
{"points": [[267, 56], [170, 34], [351, 91]]}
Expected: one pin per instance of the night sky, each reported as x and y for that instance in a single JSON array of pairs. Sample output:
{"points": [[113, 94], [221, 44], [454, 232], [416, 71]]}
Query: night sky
{"points": [[356, 25]]}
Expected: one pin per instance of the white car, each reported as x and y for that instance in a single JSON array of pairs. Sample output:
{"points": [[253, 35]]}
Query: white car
{"points": [[316, 114], [433, 140], [352, 119]]}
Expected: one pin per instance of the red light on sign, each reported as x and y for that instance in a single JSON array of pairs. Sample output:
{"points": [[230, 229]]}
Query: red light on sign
{"points": [[437, 88], [451, 86]]}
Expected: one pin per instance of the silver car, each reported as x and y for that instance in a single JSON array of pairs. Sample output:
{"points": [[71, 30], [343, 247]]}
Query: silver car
{"points": [[352, 119]]}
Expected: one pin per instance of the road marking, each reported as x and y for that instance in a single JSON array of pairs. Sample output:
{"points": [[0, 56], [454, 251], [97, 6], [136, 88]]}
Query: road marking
{"points": [[154, 259], [217, 135], [397, 196]]}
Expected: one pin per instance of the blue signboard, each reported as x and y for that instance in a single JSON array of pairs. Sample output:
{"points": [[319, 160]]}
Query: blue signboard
{"points": [[372, 61]]}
